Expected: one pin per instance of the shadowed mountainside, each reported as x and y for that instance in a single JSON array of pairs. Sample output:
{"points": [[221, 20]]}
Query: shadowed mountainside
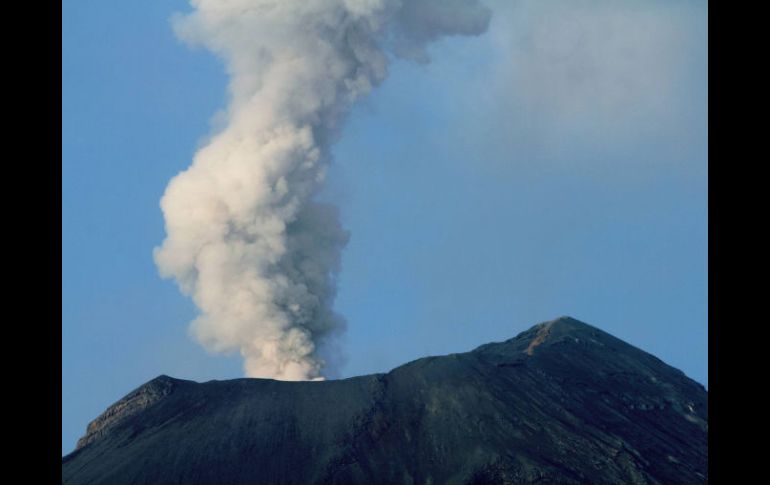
{"points": [[562, 402]]}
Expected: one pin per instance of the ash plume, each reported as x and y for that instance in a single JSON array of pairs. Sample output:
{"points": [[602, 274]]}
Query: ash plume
{"points": [[245, 237]]}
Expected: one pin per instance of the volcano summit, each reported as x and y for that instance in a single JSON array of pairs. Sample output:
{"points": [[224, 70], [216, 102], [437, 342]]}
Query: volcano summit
{"points": [[562, 402]]}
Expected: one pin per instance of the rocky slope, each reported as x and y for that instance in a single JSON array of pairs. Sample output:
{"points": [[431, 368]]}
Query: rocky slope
{"points": [[563, 402]]}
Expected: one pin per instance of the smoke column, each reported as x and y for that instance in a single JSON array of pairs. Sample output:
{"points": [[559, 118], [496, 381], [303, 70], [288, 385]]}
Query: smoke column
{"points": [[245, 238]]}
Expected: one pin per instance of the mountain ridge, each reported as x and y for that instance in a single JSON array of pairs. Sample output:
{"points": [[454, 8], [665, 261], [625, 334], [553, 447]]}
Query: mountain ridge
{"points": [[562, 402]]}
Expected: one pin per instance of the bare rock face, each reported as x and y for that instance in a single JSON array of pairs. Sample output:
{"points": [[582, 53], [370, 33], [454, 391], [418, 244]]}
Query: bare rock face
{"points": [[135, 402], [563, 402]]}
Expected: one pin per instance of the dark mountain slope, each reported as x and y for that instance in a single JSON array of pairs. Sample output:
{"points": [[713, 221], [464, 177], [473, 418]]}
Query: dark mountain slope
{"points": [[562, 403]]}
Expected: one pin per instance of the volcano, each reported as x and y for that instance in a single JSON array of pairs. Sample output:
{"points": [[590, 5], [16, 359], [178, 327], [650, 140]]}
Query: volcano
{"points": [[562, 402]]}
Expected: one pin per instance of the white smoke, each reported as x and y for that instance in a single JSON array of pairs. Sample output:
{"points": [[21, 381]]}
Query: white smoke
{"points": [[245, 237], [608, 73]]}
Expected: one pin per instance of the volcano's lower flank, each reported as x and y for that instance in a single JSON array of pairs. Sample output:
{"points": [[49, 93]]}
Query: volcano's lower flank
{"points": [[563, 402]]}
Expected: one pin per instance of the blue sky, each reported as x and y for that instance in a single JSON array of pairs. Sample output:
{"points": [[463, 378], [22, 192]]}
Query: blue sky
{"points": [[556, 165]]}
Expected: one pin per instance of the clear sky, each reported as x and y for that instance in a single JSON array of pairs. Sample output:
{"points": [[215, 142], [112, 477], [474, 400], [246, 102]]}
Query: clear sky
{"points": [[556, 165]]}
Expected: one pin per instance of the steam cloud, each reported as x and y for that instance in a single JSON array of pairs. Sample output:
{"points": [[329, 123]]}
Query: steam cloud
{"points": [[245, 237]]}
